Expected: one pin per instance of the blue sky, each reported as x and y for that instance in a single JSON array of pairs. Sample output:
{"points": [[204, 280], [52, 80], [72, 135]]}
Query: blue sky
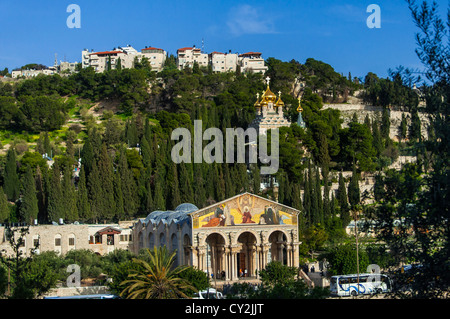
{"points": [[331, 31]]}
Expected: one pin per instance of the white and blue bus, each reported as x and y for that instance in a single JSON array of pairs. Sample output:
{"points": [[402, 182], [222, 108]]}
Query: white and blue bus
{"points": [[347, 285]]}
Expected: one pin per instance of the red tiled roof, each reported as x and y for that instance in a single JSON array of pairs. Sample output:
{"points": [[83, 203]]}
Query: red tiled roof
{"points": [[250, 53], [184, 49], [152, 48], [215, 52], [106, 52]]}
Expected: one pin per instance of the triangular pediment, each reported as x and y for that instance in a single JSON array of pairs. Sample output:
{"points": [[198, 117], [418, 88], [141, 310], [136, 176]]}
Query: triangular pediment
{"points": [[244, 209]]}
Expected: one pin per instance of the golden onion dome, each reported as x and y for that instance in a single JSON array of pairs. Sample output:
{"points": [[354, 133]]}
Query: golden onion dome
{"points": [[269, 96], [299, 109], [279, 102]]}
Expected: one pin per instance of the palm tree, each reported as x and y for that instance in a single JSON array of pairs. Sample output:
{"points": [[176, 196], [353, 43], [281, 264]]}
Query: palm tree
{"points": [[156, 279]]}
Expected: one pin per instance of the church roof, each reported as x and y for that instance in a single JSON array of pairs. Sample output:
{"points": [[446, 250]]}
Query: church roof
{"points": [[180, 215]]}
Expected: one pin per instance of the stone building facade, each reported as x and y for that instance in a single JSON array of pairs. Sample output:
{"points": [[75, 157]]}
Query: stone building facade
{"points": [[235, 237], [101, 239]]}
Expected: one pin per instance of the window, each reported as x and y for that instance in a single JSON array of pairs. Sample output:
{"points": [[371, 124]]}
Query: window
{"points": [[71, 241], [57, 241]]}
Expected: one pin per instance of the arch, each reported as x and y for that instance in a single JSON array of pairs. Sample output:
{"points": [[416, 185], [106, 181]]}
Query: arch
{"points": [[72, 241], [140, 241], [174, 248], [187, 255], [256, 235], [151, 240], [278, 246], [162, 239], [202, 241], [246, 257]]}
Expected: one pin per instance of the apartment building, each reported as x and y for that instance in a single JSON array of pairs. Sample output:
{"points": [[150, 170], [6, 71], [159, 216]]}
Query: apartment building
{"points": [[156, 57], [189, 55], [32, 73], [223, 62], [126, 55], [252, 62]]}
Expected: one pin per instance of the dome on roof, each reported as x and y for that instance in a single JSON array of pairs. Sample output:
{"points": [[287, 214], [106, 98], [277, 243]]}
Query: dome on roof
{"points": [[186, 207]]}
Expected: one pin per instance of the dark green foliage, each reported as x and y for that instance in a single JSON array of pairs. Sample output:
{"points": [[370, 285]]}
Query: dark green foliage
{"points": [[28, 208], [11, 179]]}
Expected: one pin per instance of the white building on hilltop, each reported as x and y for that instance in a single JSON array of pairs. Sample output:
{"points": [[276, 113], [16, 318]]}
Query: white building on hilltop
{"points": [[123, 56]]}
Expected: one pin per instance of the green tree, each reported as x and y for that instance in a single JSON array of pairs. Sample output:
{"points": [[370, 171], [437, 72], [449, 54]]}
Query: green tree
{"points": [[156, 279], [11, 179], [4, 207], [28, 209], [83, 197]]}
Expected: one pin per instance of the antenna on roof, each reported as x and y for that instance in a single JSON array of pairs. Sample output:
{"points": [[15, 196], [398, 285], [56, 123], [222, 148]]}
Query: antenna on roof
{"points": [[203, 46]]}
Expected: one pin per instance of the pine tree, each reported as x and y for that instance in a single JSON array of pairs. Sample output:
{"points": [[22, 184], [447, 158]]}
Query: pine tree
{"points": [[4, 207], [11, 179]]}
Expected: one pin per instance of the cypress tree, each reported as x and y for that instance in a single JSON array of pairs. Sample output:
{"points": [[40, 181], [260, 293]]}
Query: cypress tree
{"points": [[159, 202], [128, 185], [95, 194], [11, 179], [326, 200], [185, 184], [107, 207], [87, 156], [149, 205], [199, 186], [4, 207], [385, 123], [377, 141], [318, 190], [343, 202], [69, 196], [173, 188], [307, 199], [41, 194], [84, 209], [146, 152], [118, 197], [256, 179], [353, 189], [55, 208]]}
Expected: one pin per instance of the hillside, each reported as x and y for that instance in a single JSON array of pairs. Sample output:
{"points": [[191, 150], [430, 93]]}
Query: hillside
{"points": [[119, 124]]}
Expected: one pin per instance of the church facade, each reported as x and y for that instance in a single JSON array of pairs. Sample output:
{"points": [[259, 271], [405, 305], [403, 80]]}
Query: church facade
{"points": [[235, 237]]}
